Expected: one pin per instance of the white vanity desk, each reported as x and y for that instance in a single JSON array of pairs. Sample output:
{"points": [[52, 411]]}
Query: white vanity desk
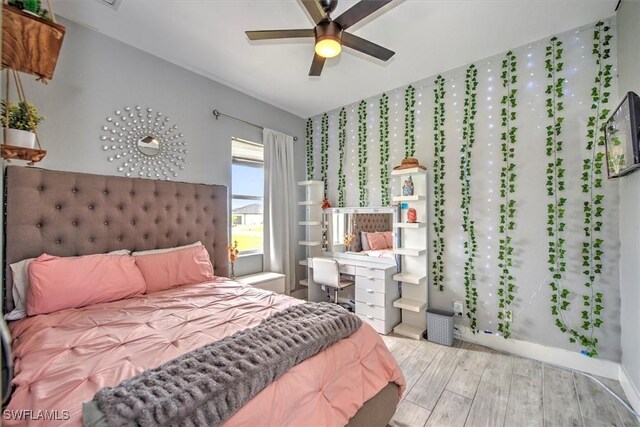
{"points": [[375, 289]]}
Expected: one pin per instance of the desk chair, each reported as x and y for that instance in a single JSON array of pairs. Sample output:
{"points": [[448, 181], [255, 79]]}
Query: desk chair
{"points": [[326, 273]]}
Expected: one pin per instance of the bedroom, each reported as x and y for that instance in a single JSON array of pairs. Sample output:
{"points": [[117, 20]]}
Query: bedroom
{"points": [[152, 131]]}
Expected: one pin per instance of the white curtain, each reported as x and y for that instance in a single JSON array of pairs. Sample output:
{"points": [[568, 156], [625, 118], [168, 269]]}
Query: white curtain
{"points": [[279, 206]]}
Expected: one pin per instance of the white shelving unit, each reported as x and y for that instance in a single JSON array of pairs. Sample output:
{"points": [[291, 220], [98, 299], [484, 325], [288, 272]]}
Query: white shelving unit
{"points": [[312, 220], [412, 247]]}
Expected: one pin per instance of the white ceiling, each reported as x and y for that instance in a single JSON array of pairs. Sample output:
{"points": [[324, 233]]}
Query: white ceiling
{"points": [[428, 36]]}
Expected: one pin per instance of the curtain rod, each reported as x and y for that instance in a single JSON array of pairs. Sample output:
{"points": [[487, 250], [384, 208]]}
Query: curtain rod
{"points": [[217, 114]]}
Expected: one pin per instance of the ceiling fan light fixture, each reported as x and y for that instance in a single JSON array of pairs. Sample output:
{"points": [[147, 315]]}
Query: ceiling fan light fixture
{"points": [[328, 47], [328, 39]]}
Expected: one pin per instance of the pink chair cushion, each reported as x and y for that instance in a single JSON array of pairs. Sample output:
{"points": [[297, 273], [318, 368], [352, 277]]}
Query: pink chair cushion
{"points": [[388, 237], [57, 283], [377, 241], [169, 269]]}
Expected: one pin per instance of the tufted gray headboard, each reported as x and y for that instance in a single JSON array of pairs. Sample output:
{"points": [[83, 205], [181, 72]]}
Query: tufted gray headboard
{"points": [[71, 214], [368, 222]]}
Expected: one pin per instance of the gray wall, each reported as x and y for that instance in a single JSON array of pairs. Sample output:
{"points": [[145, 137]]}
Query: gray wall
{"points": [[97, 75], [629, 80]]}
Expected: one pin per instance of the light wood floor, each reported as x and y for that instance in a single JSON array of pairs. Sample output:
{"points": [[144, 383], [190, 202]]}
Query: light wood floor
{"points": [[470, 385]]}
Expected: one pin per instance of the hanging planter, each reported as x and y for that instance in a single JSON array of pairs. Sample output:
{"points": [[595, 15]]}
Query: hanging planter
{"points": [[19, 122], [30, 44]]}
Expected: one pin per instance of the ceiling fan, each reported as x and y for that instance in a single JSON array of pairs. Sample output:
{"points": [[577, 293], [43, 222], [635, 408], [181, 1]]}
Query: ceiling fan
{"points": [[330, 34]]}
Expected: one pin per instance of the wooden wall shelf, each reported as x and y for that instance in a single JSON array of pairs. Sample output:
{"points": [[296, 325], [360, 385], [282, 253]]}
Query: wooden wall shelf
{"points": [[30, 44], [31, 155]]}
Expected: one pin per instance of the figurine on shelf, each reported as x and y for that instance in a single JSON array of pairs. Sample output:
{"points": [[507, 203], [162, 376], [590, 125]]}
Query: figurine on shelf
{"points": [[325, 203], [412, 216], [407, 188]]}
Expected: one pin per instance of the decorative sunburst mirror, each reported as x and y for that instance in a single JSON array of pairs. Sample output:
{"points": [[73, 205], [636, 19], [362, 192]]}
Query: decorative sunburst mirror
{"points": [[141, 142]]}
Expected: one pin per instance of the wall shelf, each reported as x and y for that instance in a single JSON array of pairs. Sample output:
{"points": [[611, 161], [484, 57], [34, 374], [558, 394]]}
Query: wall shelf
{"points": [[410, 304], [409, 251], [313, 224], [414, 198], [410, 331], [30, 155], [411, 245], [410, 171], [409, 225], [414, 279]]}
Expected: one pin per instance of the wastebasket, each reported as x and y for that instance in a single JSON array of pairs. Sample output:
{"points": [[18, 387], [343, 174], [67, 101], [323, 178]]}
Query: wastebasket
{"points": [[440, 326]]}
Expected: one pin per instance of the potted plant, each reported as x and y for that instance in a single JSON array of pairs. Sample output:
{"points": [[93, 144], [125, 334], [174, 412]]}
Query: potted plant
{"points": [[19, 122]]}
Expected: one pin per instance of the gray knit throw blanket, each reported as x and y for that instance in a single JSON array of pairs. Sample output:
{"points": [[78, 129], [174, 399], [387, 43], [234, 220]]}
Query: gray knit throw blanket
{"points": [[207, 386]]}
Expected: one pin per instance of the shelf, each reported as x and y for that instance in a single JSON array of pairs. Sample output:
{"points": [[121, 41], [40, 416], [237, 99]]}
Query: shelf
{"points": [[304, 262], [31, 155], [310, 202], [408, 330], [304, 282], [414, 198], [410, 171], [409, 225], [309, 183], [309, 223], [410, 304], [409, 251], [308, 243], [414, 279]]}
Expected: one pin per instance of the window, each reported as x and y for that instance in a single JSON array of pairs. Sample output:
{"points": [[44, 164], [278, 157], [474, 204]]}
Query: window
{"points": [[247, 187]]}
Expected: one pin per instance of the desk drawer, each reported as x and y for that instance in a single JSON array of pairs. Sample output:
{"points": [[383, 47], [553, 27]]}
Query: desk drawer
{"points": [[370, 310], [370, 283], [347, 269], [370, 297], [370, 272], [377, 324]]}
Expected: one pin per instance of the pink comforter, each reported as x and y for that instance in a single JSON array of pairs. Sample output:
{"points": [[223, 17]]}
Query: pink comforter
{"points": [[63, 358]]}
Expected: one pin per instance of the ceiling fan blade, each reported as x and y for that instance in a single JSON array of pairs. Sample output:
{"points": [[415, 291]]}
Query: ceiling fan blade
{"points": [[365, 46], [279, 34], [359, 11], [316, 65], [315, 10]]}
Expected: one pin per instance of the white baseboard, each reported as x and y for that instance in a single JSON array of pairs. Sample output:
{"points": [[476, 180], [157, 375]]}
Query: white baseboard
{"points": [[543, 353], [630, 389]]}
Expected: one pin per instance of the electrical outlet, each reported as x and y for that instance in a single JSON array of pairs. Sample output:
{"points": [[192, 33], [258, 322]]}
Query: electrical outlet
{"points": [[458, 308], [508, 316]]}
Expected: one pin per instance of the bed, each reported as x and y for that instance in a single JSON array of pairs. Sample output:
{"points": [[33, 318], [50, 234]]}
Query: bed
{"points": [[61, 359]]}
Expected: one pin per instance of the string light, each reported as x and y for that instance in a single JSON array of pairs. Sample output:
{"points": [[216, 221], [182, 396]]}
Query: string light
{"points": [[486, 162]]}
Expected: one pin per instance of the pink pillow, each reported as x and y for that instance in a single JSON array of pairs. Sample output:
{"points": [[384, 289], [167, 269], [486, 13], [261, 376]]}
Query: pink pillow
{"points": [[377, 241], [388, 237], [57, 283], [169, 269]]}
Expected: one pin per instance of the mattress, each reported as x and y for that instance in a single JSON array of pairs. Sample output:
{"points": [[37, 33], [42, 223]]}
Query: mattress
{"points": [[63, 358]]}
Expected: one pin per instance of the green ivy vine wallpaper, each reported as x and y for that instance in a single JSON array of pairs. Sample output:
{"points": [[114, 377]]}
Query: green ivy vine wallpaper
{"points": [[468, 224], [437, 266], [523, 224], [507, 220]]}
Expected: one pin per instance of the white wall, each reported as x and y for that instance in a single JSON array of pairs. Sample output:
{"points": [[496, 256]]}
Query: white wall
{"points": [[629, 80], [97, 75], [532, 316]]}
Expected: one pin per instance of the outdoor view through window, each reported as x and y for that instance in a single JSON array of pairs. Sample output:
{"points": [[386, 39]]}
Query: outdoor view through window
{"points": [[247, 185]]}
